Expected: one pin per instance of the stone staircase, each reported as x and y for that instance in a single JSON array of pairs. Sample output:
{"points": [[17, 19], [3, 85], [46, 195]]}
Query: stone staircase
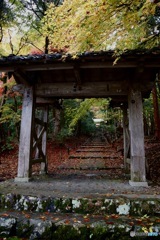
{"points": [[94, 155], [73, 210]]}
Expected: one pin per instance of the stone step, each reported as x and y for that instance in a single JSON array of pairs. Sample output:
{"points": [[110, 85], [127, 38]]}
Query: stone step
{"points": [[91, 156], [110, 204], [94, 145], [89, 173], [89, 168], [92, 163], [91, 146], [50, 226], [94, 150]]}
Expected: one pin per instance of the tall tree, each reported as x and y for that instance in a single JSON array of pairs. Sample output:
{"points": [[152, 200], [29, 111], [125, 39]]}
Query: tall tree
{"points": [[20, 25], [6, 16]]}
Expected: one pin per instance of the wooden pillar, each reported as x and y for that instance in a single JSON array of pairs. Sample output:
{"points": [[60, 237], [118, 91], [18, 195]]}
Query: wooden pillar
{"points": [[156, 112], [25, 145], [138, 172], [126, 137], [44, 141]]}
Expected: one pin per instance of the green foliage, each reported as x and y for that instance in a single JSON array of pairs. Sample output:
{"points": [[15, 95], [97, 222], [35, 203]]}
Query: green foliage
{"points": [[81, 112], [10, 116], [8, 145], [87, 125], [100, 25], [9, 113], [20, 25], [76, 118]]}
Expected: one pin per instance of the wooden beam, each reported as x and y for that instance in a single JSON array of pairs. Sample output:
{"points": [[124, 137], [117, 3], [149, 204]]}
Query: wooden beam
{"points": [[43, 100], [130, 61], [138, 172], [25, 146], [88, 89], [21, 77], [38, 138], [37, 160]]}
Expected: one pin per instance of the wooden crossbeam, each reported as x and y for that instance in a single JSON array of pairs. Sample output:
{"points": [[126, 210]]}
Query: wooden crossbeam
{"points": [[37, 142], [37, 160], [38, 138]]}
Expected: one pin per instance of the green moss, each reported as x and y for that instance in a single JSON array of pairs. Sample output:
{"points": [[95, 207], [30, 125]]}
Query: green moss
{"points": [[64, 205], [98, 233], [24, 229], [140, 208], [68, 233], [110, 206], [83, 208], [48, 234], [136, 177]]}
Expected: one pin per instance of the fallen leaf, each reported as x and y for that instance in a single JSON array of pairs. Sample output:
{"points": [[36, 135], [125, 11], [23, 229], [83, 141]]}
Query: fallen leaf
{"points": [[43, 218], [5, 215], [67, 221]]}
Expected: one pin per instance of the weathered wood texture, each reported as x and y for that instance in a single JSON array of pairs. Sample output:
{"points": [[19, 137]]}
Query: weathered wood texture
{"points": [[88, 89], [44, 141], [126, 137], [156, 112], [138, 173], [33, 137], [40, 139], [25, 146]]}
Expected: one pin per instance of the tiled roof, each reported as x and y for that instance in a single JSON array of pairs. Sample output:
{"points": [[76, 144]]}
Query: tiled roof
{"points": [[60, 57]]}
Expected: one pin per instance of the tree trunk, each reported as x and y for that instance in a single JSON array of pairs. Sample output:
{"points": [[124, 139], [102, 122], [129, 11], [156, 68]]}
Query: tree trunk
{"points": [[46, 45]]}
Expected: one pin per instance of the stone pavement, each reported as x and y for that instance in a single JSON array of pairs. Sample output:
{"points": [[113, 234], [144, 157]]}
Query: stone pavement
{"points": [[77, 186]]}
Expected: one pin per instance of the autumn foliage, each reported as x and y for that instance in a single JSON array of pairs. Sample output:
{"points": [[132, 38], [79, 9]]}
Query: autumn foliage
{"points": [[100, 25]]}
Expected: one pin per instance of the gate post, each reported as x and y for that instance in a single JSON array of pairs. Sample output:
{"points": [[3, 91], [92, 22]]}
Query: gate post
{"points": [[138, 171], [26, 139], [126, 137], [44, 141]]}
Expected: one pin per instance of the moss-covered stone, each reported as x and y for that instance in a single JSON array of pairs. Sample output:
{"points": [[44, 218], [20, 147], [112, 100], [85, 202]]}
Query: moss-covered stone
{"points": [[110, 206], [24, 229], [141, 207], [63, 205], [41, 229], [120, 205], [8, 200], [7, 226], [68, 232]]}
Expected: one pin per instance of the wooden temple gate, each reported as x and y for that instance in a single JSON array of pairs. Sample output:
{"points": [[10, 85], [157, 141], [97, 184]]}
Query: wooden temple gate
{"points": [[44, 78]]}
